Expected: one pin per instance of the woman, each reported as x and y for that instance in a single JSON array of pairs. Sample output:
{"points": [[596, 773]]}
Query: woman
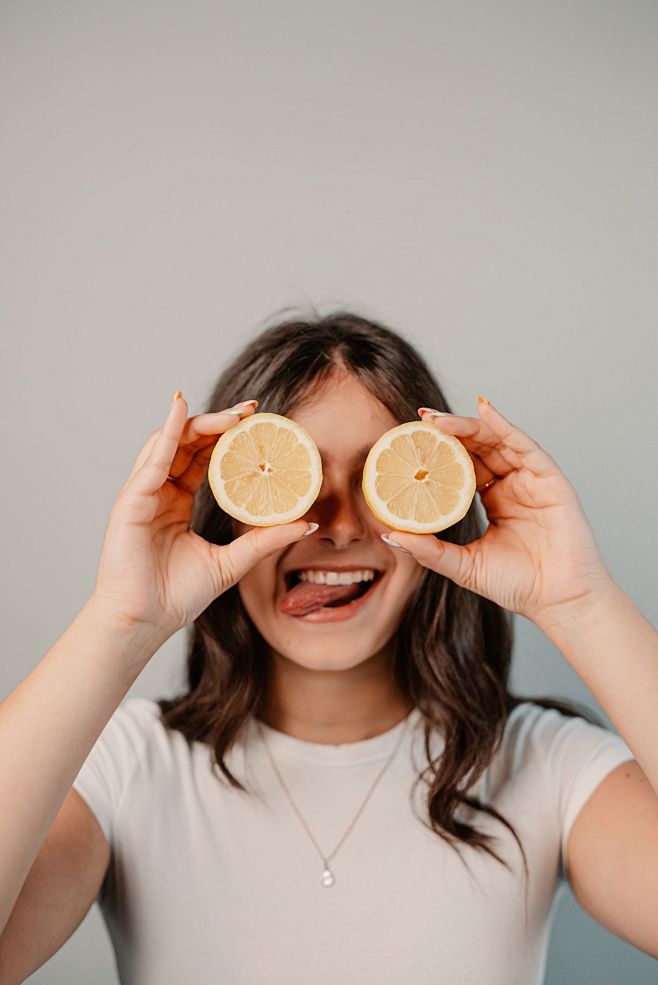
{"points": [[343, 794]]}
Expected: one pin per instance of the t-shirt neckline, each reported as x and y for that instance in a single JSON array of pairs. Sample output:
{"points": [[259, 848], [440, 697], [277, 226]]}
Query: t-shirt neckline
{"points": [[365, 750]]}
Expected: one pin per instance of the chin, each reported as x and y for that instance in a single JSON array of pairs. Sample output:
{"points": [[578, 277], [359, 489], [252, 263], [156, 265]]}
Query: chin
{"points": [[325, 646], [336, 639], [325, 656]]}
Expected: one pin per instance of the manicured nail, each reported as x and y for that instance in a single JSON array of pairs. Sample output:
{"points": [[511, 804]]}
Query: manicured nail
{"points": [[433, 413], [312, 527], [394, 543], [179, 393], [240, 410], [243, 406], [482, 399]]}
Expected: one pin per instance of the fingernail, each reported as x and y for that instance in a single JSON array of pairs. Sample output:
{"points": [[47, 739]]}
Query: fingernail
{"points": [[312, 527], [433, 413], [394, 543], [179, 393], [242, 406], [240, 410], [483, 399]]}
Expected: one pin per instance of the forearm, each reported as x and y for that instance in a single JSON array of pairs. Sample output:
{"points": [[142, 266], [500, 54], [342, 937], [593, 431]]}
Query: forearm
{"points": [[614, 649], [48, 725]]}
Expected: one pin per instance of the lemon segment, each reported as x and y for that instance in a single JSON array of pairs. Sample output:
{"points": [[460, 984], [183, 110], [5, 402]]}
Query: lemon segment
{"points": [[418, 479], [265, 470]]}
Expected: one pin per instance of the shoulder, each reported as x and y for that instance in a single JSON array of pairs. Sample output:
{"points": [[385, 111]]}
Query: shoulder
{"points": [[158, 752], [530, 727], [133, 727], [554, 747], [135, 722], [545, 769], [142, 711], [547, 741], [529, 730], [122, 754]]}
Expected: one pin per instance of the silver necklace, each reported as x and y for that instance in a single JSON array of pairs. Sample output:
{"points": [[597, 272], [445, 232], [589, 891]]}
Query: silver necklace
{"points": [[328, 877]]}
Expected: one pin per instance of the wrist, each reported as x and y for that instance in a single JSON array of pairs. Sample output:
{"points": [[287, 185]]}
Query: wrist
{"points": [[572, 619], [133, 640]]}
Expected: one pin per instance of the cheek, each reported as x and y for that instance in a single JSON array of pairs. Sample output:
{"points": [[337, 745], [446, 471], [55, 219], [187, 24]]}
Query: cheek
{"points": [[253, 584], [406, 578], [257, 587]]}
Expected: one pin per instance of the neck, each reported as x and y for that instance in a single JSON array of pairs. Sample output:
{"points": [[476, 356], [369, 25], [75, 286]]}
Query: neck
{"points": [[333, 707]]}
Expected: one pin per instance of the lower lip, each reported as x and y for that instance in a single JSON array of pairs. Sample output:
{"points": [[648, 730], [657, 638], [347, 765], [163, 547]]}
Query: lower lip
{"points": [[342, 612]]}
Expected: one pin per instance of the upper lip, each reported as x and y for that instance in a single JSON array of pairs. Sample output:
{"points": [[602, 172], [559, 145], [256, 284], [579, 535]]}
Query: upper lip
{"points": [[331, 567]]}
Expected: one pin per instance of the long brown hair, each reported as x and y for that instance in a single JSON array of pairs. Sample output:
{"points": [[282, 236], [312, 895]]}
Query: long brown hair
{"points": [[453, 647]]}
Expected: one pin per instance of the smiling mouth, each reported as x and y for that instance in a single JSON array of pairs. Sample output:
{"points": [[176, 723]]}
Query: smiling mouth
{"points": [[362, 587], [316, 596]]}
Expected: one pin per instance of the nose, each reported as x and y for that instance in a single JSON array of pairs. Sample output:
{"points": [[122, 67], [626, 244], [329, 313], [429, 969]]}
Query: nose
{"points": [[340, 511]]}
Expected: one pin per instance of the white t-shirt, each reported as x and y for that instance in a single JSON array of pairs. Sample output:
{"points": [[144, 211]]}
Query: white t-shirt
{"points": [[208, 885]]}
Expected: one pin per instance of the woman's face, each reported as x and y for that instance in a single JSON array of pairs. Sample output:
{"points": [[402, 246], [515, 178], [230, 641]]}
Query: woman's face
{"points": [[344, 420]]}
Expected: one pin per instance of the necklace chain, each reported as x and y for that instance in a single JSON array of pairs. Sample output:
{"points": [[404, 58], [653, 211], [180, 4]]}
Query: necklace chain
{"points": [[328, 877]]}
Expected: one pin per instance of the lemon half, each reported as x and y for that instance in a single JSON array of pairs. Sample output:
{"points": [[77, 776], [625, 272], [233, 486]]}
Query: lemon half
{"points": [[265, 470], [418, 479]]}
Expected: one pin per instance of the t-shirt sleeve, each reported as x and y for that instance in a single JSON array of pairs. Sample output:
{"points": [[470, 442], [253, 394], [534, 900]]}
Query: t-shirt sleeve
{"points": [[578, 757], [113, 759]]}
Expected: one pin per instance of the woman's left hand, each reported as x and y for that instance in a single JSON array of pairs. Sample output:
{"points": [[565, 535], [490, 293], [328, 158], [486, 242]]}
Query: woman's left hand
{"points": [[538, 556]]}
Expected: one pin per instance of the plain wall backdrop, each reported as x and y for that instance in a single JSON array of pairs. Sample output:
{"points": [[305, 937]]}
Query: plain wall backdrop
{"points": [[477, 175]]}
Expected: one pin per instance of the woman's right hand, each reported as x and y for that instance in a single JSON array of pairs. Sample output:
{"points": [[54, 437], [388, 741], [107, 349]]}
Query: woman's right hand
{"points": [[154, 572]]}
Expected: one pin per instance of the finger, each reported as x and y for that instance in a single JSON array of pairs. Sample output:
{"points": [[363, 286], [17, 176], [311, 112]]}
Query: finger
{"points": [[143, 453], [204, 425], [451, 560], [476, 436], [153, 473], [502, 451], [196, 435], [202, 432], [196, 471], [234, 560], [515, 442], [482, 471], [146, 450]]}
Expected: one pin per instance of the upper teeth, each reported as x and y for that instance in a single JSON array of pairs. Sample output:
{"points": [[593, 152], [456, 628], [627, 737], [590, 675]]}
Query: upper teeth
{"points": [[337, 577]]}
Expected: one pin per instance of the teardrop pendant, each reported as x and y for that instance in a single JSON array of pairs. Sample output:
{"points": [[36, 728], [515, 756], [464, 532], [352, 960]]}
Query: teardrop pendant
{"points": [[328, 878]]}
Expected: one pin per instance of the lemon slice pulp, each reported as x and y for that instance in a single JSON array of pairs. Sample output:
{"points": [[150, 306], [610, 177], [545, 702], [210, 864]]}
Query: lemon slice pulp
{"points": [[418, 479], [265, 470]]}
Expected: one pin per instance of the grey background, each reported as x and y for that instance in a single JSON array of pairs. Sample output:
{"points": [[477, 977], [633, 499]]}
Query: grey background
{"points": [[478, 175]]}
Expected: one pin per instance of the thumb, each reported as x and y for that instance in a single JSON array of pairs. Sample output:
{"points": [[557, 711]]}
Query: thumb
{"points": [[234, 560], [451, 560]]}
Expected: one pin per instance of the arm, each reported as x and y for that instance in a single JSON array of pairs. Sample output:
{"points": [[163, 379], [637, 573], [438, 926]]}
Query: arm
{"points": [[155, 576], [612, 857], [612, 849], [48, 725], [539, 558], [62, 884], [614, 650]]}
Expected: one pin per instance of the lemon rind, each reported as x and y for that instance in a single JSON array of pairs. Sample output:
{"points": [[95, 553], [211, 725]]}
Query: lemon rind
{"points": [[379, 508], [216, 483]]}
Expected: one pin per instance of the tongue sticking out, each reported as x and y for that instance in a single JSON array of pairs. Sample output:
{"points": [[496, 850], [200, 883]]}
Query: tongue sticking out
{"points": [[307, 596]]}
